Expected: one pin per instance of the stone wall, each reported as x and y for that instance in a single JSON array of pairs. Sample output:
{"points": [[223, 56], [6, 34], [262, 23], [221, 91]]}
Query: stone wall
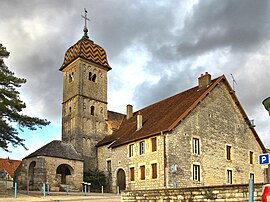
{"points": [[216, 122], [45, 171], [234, 193], [120, 159]]}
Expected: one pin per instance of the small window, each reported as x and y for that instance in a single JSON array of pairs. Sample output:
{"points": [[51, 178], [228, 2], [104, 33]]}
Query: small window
{"points": [[131, 150], [196, 172], [142, 147], [132, 178], [94, 77], [154, 171], [90, 76], [229, 152], [196, 146], [69, 109], [251, 157], [92, 110], [109, 166], [229, 176], [142, 169], [154, 144]]}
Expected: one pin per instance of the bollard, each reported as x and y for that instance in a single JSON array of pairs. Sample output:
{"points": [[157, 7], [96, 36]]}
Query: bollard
{"points": [[85, 189], [251, 190], [15, 190], [67, 189], [118, 190], [102, 189], [44, 190]]}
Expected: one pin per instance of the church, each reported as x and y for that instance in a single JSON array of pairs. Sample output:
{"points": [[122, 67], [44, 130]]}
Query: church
{"points": [[199, 137]]}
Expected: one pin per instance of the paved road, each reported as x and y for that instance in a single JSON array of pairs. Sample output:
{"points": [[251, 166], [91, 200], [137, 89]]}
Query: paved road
{"points": [[59, 197]]}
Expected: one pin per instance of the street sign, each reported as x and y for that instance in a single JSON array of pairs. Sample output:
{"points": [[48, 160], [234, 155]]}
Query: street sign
{"points": [[264, 159]]}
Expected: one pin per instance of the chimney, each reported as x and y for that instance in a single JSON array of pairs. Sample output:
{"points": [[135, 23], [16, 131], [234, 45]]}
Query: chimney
{"points": [[204, 80], [139, 121], [129, 111]]}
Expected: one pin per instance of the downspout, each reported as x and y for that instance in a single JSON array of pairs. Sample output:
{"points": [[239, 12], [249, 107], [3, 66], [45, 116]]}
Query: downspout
{"points": [[165, 160]]}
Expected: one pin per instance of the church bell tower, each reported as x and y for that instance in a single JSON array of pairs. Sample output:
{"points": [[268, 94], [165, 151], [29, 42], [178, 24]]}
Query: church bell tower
{"points": [[84, 107]]}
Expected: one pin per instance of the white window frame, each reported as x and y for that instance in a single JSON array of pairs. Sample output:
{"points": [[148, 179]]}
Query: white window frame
{"points": [[131, 150], [196, 172], [142, 147], [196, 145], [229, 176]]}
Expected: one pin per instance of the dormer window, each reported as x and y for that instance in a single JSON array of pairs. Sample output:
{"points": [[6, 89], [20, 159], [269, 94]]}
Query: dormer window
{"points": [[92, 110]]}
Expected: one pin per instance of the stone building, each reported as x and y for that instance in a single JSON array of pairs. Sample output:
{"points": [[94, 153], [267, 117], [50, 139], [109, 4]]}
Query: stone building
{"points": [[201, 136], [56, 164]]}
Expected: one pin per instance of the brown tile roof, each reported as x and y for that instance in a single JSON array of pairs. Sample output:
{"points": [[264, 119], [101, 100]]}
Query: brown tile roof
{"points": [[87, 49], [165, 115], [9, 165]]}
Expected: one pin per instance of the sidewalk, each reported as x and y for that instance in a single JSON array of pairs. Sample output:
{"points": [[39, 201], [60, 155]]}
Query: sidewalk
{"points": [[62, 196]]}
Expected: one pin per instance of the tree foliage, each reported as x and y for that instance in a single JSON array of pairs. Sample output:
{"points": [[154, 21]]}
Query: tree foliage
{"points": [[11, 117], [96, 178]]}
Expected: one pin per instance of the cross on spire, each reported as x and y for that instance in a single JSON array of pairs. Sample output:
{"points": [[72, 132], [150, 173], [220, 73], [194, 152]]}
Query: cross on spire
{"points": [[85, 30]]}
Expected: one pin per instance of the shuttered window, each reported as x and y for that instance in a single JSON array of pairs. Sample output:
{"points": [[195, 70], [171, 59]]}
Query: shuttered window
{"points": [[142, 168], [154, 171]]}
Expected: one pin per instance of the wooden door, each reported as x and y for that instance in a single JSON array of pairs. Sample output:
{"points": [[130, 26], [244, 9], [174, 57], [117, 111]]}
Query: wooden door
{"points": [[121, 179]]}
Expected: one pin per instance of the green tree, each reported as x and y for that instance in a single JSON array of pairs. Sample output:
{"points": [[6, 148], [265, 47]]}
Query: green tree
{"points": [[11, 117], [96, 178]]}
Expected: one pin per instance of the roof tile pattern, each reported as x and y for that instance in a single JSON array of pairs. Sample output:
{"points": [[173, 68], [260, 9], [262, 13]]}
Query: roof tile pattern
{"points": [[161, 116], [57, 148], [87, 49]]}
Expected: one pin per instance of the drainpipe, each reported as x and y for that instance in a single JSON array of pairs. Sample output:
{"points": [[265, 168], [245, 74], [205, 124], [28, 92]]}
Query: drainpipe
{"points": [[165, 161]]}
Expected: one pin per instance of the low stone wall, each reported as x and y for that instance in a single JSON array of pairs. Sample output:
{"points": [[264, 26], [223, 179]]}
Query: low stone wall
{"points": [[233, 193]]}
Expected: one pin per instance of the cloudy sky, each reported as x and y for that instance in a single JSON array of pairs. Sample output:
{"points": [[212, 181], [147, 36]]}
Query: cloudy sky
{"points": [[156, 48]]}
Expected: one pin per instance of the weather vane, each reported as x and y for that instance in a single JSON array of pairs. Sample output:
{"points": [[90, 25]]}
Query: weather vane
{"points": [[85, 30]]}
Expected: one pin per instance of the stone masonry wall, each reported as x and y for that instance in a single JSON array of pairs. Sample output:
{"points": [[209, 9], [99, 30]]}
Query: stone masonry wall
{"points": [[216, 122], [234, 193], [120, 159]]}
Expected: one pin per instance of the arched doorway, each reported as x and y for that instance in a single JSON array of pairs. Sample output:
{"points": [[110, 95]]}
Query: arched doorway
{"points": [[64, 170], [121, 179], [31, 172]]}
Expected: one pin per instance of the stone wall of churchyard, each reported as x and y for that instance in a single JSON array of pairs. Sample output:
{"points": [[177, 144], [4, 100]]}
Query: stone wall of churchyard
{"points": [[235, 193], [217, 123], [120, 159]]}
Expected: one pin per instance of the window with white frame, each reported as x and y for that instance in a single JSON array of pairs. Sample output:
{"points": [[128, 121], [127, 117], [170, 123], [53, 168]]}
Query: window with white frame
{"points": [[229, 176], [196, 146], [131, 150], [196, 172], [142, 147]]}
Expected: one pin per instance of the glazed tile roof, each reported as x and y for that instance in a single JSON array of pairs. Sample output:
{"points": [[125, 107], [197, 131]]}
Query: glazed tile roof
{"points": [[59, 149], [165, 115], [9, 165], [87, 49]]}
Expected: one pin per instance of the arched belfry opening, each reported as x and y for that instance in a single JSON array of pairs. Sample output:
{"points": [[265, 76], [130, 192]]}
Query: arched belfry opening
{"points": [[31, 172], [64, 170]]}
